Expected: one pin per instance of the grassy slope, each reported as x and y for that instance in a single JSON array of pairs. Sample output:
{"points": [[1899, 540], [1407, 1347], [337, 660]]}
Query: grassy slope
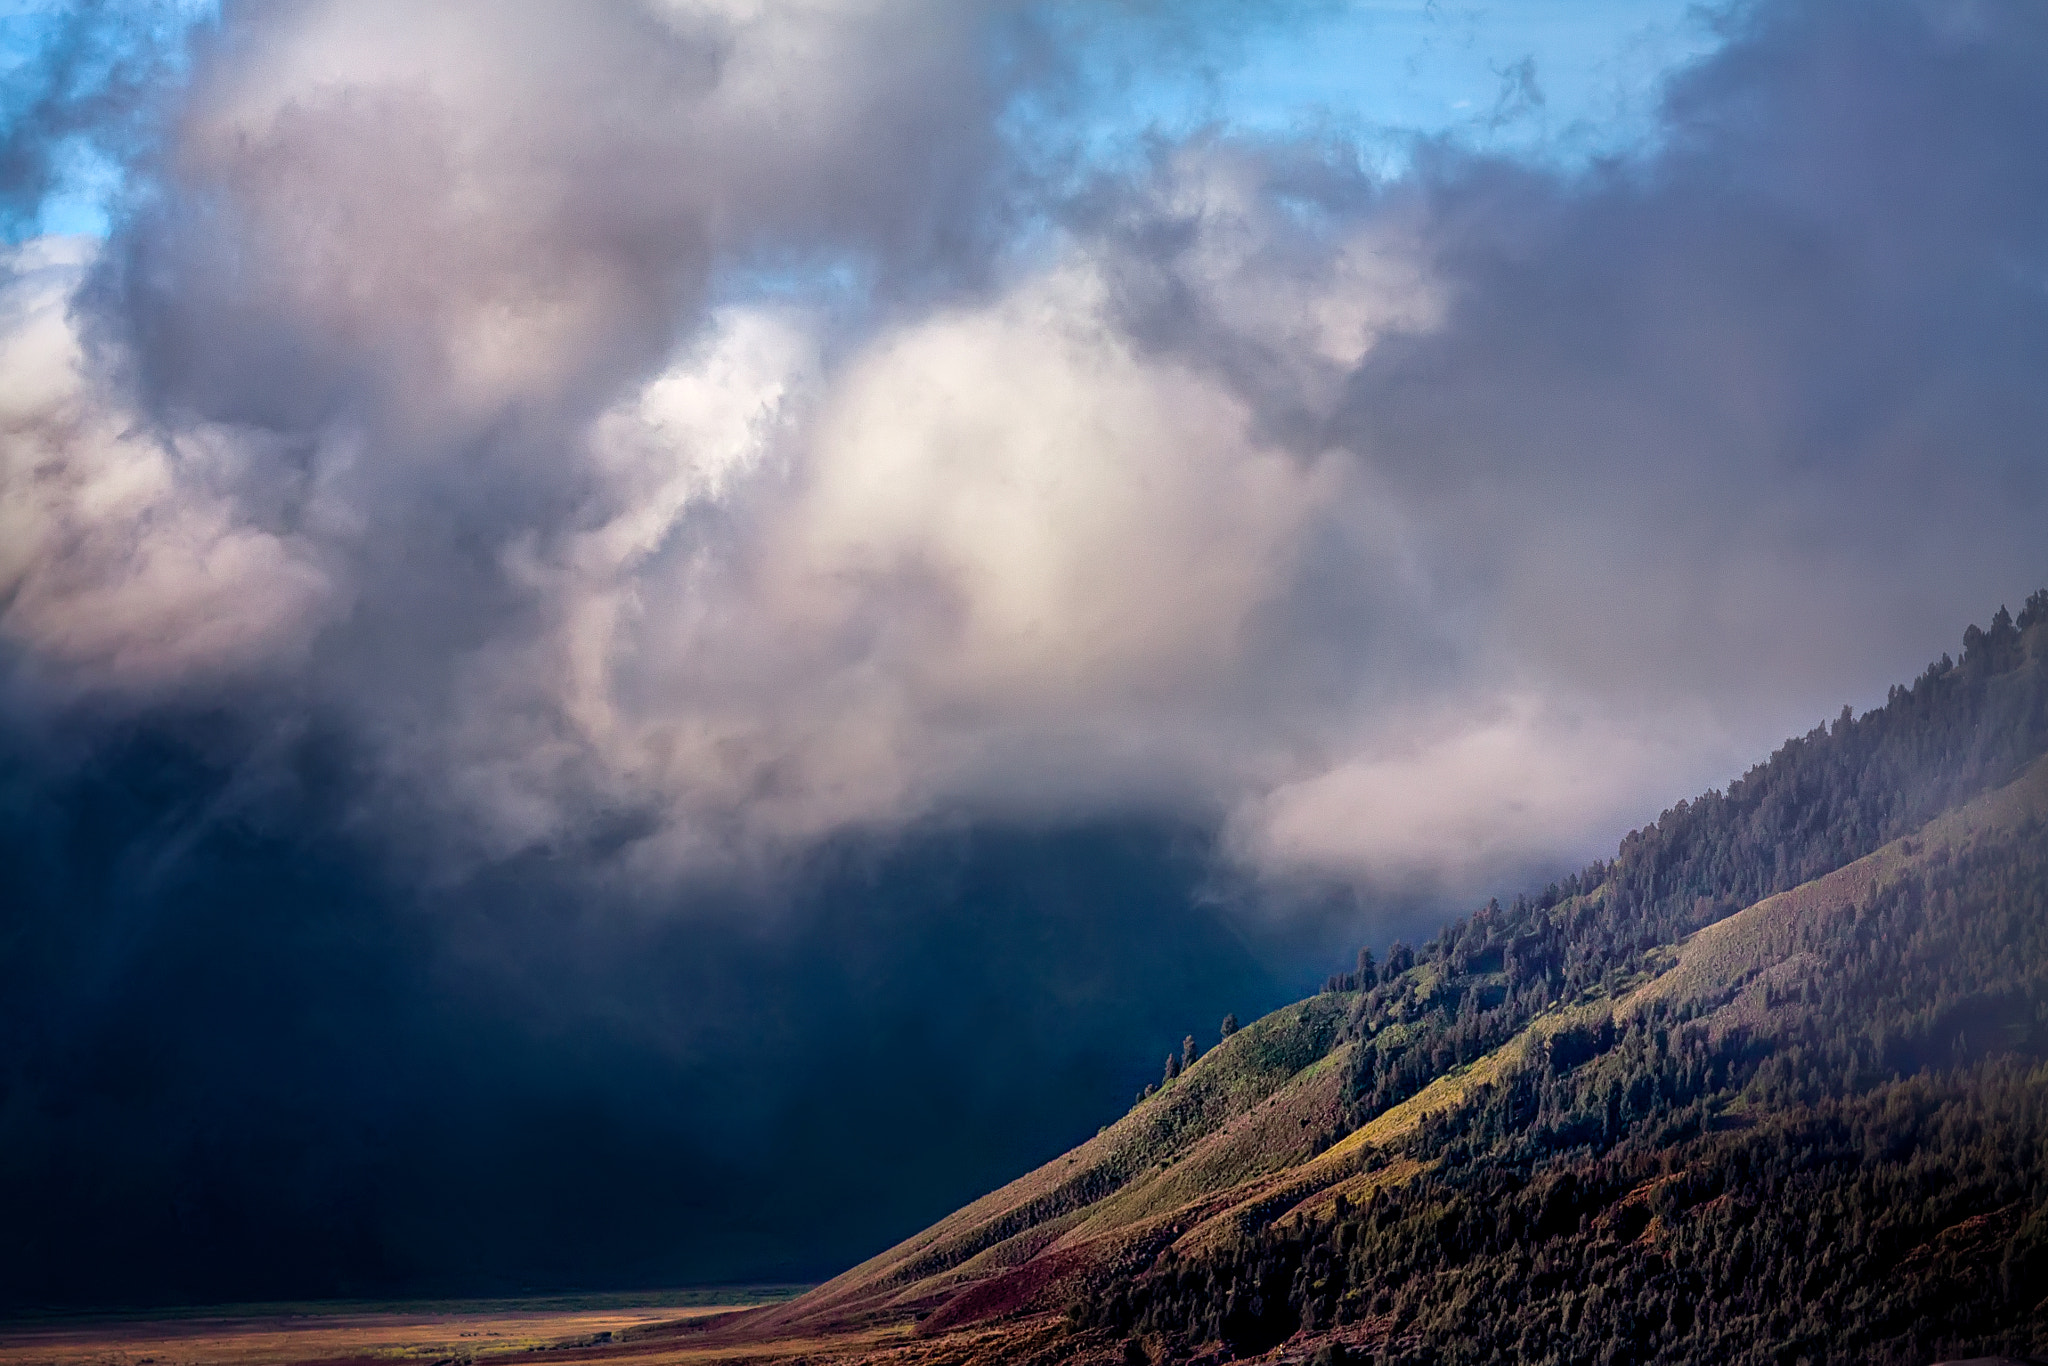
{"points": [[1761, 948], [1251, 1134], [1250, 1084]]}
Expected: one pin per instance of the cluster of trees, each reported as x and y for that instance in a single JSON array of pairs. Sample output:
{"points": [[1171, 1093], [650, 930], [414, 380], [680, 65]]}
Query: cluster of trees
{"points": [[1854, 1166], [1179, 1062], [1895, 1228], [1369, 974]]}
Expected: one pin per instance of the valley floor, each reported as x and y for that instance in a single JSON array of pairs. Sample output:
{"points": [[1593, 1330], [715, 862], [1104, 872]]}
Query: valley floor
{"points": [[433, 1333], [708, 1334], [659, 1335]]}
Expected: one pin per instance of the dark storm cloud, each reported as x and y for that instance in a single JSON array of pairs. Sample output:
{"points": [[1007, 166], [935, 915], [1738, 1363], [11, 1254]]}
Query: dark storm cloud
{"points": [[243, 1062], [1765, 404], [633, 640]]}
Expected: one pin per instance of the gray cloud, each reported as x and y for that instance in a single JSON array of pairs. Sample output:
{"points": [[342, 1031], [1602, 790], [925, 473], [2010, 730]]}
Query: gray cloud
{"points": [[705, 417], [1700, 443]]}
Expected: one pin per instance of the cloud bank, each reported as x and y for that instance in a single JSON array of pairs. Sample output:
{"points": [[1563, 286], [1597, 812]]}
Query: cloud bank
{"points": [[709, 416]]}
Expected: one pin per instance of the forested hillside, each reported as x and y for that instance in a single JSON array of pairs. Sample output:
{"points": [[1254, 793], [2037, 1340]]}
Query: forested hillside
{"points": [[1771, 1085], [1822, 801], [1846, 1159], [1837, 1151]]}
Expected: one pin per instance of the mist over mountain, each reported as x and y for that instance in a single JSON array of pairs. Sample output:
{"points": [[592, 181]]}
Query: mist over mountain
{"points": [[651, 641]]}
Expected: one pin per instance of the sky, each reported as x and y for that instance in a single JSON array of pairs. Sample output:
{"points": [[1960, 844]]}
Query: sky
{"points": [[595, 598], [1562, 80]]}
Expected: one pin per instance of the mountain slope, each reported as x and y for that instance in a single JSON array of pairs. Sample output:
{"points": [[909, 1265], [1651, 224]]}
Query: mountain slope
{"points": [[1821, 1133], [1544, 1135], [1263, 1099]]}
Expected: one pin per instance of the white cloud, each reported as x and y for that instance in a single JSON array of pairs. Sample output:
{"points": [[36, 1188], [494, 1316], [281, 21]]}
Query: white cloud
{"points": [[1060, 523], [1480, 790], [996, 556], [119, 562]]}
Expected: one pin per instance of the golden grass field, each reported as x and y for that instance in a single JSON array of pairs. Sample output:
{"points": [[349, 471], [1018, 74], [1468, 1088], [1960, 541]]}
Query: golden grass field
{"points": [[384, 1334], [651, 1336]]}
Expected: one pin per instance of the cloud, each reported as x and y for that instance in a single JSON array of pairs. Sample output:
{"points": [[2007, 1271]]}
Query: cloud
{"points": [[998, 557], [707, 423], [1457, 798], [127, 560]]}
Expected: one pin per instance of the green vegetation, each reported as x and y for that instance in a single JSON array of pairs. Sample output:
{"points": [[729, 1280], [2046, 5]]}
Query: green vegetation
{"points": [[1857, 1170]]}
